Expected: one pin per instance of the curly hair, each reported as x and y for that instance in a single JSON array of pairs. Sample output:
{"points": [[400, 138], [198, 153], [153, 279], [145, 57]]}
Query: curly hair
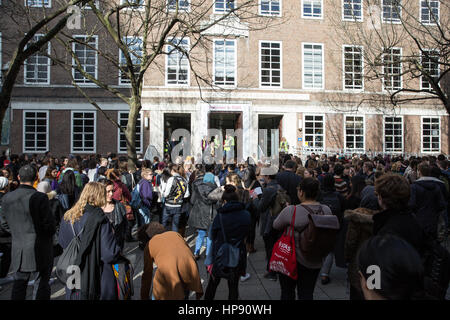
{"points": [[93, 193], [149, 230]]}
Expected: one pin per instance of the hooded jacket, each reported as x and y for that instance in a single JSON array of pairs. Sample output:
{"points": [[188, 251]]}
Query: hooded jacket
{"points": [[203, 211], [428, 201]]}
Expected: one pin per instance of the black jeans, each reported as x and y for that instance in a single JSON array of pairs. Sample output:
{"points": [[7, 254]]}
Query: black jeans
{"points": [[305, 284], [269, 241], [250, 240], [5, 248], [233, 287], [41, 290]]}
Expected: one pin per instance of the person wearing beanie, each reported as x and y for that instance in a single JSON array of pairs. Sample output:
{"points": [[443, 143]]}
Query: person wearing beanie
{"points": [[5, 234], [56, 210], [203, 210]]}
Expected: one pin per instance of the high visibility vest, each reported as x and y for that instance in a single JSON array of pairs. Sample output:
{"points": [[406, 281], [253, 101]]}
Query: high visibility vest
{"points": [[284, 146], [228, 144], [204, 144], [216, 143]]}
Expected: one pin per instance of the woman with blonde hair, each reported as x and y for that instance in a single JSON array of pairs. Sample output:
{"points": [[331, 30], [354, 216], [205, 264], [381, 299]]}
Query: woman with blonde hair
{"points": [[98, 247]]}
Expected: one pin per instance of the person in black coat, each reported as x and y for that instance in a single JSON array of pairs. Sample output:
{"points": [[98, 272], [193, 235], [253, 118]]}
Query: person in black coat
{"points": [[428, 200], [5, 234], [289, 181], [235, 221], [395, 217], [98, 249], [32, 228]]}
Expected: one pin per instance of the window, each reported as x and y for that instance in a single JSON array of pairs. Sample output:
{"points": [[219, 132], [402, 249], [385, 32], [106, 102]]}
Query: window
{"points": [[86, 52], [429, 11], [314, 131], [431, 134], [183, 5], [392, 69], [352, 10], [312, 66], [134, 4], [270, 57], [225, 62], [123, 121], [392, 10], [221, 6], [312, 9], [38, 3], [270, 7], [83, 131], [135, 50], [35, 132], [393, 134], [430, 65], [353, 68], [37, 66], [354, 133], [177, 62]]}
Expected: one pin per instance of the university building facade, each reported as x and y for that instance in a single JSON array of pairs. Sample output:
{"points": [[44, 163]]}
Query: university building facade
{"points": [[298, 77]]}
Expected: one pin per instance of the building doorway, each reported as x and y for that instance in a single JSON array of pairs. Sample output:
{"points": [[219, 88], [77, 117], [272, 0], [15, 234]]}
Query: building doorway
{"points": [[223, 121], [269, 142], [172, 122]]}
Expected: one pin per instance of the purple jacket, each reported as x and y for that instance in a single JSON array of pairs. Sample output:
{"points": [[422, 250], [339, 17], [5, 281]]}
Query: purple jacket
{"points": [[146, 192]]}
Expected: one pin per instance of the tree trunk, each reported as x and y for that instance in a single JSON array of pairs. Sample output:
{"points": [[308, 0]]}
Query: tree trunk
{"points": [[130, 132]]}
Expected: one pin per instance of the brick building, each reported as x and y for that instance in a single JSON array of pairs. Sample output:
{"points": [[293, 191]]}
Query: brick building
{"points": [[298, 77]]}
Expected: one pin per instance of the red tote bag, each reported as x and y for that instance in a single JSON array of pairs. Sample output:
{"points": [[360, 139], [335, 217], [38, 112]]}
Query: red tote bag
{"points": [[283, 258]]}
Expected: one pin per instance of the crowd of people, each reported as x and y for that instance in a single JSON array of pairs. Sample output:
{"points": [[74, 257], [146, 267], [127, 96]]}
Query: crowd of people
{"points": [[390, 209]]}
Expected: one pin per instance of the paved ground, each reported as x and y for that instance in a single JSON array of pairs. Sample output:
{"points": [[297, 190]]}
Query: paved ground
{"points": [[255, 288]]}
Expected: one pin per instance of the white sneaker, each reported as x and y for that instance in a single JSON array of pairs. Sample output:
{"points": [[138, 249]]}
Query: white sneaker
{"points": [[246, 277]]}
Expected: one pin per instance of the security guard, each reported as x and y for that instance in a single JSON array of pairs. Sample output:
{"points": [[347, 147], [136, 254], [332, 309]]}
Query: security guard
{"points": [[228, 146], [284, 146]]}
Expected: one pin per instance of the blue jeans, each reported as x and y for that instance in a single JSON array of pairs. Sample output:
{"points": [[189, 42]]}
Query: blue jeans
{"points": [[144, 215], [201, 240], [171, 213]]}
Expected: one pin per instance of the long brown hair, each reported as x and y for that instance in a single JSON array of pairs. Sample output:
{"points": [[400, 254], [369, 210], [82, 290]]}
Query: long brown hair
{"points": [[94, 193]]}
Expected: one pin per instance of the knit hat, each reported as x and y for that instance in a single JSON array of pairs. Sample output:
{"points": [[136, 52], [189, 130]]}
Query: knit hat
{"points": [[3, 183], [209, 177], [44, 187]]}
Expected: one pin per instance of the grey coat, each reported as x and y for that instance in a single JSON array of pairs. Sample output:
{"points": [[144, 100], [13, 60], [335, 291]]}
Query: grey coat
{"points": [[32, 226], [203, 209], [263, 204]]}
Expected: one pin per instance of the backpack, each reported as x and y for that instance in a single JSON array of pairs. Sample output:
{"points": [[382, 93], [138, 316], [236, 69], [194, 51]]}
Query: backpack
{"points": [[227, 257], [436, 269], [280, 201], [136, 201], [123, 274], [176, 195], [68, 257], [318, 238]]}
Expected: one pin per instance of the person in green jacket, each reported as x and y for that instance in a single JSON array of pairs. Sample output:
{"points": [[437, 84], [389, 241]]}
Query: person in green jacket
{"points": [[72, 164]]}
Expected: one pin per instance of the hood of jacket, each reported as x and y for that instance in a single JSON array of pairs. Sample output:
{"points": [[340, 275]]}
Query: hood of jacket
{"points": [[360, 215], [51, 195], [231, 206], [429, 184], [204, 188]]}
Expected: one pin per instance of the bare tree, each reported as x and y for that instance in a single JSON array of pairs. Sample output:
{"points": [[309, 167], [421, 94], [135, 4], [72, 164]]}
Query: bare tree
{"points": [[406, 49], [22, 23], [135, 34]]}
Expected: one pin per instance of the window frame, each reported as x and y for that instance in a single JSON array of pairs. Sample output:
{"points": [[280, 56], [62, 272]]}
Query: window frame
{"points": [[71, 131], [261, 86], [235, 63], [384, 89], [89, 83], [225, 11], [141, 132], [360, 19], [323, 115], [399, 21], [188, 81], [140, 8], [422, 78], [422, 135], [47, 145], [343, 68], [303, 66], [120, 59], [384, 134], [39, 6], [269, 14], [431, 23], [25, 65], [311, 17], [180, 9], [355, 150]]}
